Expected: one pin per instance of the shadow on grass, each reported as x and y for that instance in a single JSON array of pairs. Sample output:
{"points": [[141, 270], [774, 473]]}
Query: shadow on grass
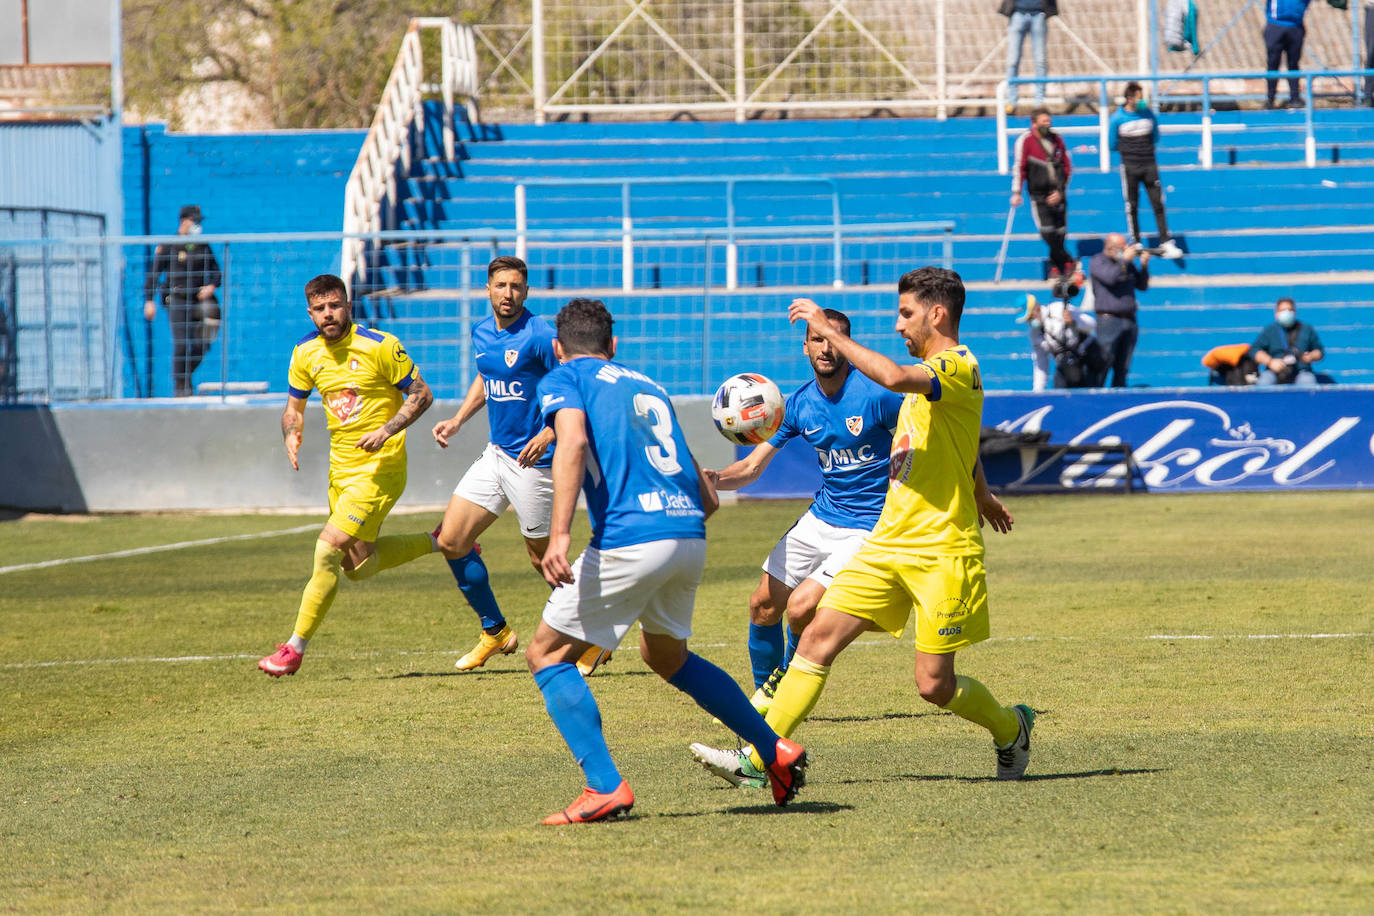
{"points": [[808, 807], [521, 671], [1035, 777], [884, 717]]}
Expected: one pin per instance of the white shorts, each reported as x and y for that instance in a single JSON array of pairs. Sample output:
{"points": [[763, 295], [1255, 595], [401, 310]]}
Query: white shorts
{"points": [[654, 583], [813, 549], [496, 480]]}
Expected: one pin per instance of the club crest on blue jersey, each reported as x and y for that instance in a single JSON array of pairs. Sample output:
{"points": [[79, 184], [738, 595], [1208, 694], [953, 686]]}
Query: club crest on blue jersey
{"points": [[855, 425], [511, 357]]}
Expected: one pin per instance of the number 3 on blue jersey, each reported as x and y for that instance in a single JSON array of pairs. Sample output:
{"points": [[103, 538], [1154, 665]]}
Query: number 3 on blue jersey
{"points": [[660, 417]]}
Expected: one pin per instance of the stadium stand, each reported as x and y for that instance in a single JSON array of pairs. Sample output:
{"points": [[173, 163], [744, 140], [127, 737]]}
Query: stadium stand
{"points": [[1256, 226]]}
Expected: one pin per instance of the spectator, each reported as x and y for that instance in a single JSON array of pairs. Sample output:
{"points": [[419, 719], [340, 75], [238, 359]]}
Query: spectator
{"points": [[1025, 16], [1042, 163], [1115, 279], [1286, 350], [188, 294], [1369, 51], [1283, 35], [1065, 334], [1133, 133]]}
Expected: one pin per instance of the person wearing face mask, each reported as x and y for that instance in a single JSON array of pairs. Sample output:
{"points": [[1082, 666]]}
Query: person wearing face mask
{"points": [[1116, 277], [1042, 164], [1286, 349], [1133, 132], [188, 293], [1060, 332]]}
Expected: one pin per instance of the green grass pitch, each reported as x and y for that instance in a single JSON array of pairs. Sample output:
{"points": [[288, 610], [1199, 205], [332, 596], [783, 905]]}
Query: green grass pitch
{"points": [[1201, 667]]}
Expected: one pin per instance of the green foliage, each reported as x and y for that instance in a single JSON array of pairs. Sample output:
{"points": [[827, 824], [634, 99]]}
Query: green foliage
{"points": [[1171, 774], [304, 63]]}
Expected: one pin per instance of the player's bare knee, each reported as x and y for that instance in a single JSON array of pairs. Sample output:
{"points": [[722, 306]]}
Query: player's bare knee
{"points": [[453, 545], [800, 612], [762, 611], [935, 689]]}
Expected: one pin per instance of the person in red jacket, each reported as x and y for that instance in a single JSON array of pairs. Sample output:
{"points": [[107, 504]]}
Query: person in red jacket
{"points": [[1042, 163]]}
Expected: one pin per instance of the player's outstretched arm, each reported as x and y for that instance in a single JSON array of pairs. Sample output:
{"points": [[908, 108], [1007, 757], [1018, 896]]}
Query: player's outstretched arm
{"points": [[292, 428], [990, 508], [473, 401], [418, 399], [709, 500], [745, 471], [891, 375], [569, 469]]}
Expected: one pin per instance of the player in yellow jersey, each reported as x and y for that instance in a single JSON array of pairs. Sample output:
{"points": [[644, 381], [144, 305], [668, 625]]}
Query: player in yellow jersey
{"points": [[371, 391], [926, 551]]}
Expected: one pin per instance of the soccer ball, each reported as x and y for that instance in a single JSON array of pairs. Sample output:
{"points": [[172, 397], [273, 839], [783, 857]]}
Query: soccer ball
{"points": [[747, 409]]}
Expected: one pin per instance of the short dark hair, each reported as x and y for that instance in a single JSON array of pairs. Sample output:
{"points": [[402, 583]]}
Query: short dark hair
{"points": [[584, 328], [508, 262], [837, 318], [935, 286], [323, 285], [1133, 88], [1289, 300], [1038, 112]]}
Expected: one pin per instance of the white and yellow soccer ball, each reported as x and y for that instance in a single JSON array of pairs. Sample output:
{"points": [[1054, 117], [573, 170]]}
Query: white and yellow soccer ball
{"points": [[747, 408]]}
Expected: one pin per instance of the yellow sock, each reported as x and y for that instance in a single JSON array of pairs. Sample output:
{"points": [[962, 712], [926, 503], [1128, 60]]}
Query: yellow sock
{"points": [[794, 699], [976, 703], [392, 550], [320, 590]]}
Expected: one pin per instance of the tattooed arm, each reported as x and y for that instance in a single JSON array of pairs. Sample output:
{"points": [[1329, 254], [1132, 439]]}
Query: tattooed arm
{"points": [[292, 425], [418, 399]]}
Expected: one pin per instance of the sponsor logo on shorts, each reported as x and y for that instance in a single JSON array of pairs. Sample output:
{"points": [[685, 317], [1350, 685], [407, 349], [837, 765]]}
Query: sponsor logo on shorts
{"points": [[951, 608], [354, 519], [951, 631]]}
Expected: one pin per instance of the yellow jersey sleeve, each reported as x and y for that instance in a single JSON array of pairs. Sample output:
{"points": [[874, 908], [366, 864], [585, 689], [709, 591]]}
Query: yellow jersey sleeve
{"points": [[394, 363], [930, 507], [298, 380]]}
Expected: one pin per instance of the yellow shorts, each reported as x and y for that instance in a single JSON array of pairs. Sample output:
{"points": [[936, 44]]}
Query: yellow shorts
{"points": [[948, 593], [359, 505]]}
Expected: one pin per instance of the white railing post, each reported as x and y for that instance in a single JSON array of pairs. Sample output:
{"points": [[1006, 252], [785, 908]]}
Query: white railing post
{"points": [[1142, 47], [731, 247], [627, 242], [739, 61], [448, 43], [541, 84], [1311, 138], [1104, 155], [1003, 160], [1206, 123], [941, 87], [521, 223]]}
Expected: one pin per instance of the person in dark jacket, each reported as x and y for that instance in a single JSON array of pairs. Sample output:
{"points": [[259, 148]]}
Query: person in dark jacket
{"points": [[1286, 350], [1115, 279], [188, 293], [1042, 163], [1133, 133], [1283, 36]]}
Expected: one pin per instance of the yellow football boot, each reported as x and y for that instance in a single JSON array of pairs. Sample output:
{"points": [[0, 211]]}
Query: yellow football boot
{"points": [[504, 642]]}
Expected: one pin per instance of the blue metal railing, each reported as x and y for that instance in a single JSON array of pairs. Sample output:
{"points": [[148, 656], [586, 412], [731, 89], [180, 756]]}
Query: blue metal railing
{"points": [[1206, 97]]}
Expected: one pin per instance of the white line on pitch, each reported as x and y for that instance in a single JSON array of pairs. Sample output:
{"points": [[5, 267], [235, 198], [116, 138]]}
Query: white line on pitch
{"points": [[718, 645], [159, 548]]}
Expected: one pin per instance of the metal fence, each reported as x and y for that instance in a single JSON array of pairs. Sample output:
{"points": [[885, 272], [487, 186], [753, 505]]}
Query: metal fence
{"points": [[745, 58]]}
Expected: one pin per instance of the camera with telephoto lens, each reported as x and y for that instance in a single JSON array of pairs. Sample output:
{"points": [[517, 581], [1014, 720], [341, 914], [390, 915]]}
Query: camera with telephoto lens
{"points": [[1064, 288]]}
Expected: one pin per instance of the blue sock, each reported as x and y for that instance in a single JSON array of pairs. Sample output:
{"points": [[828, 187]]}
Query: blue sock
{"points": [[573, 710], [718, 694], [791, 650], [471, 574], [765, 650]]}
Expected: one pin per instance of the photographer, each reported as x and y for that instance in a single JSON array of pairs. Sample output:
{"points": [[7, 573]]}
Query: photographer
{"points": [[1118, 271], [1062, 333], [1286, 350]]}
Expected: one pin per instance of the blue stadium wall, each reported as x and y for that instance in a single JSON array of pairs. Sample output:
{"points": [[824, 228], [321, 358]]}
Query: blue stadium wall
{"points": [[278, 181]]}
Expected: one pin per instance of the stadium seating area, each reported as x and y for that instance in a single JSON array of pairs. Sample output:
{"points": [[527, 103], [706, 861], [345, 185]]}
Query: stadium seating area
{"points": [[1257, 225]]}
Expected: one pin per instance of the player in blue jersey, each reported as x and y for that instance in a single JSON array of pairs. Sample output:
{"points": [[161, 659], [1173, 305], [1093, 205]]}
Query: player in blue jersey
{"points": [[513, 350], [848, 419], [647, 501]]}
